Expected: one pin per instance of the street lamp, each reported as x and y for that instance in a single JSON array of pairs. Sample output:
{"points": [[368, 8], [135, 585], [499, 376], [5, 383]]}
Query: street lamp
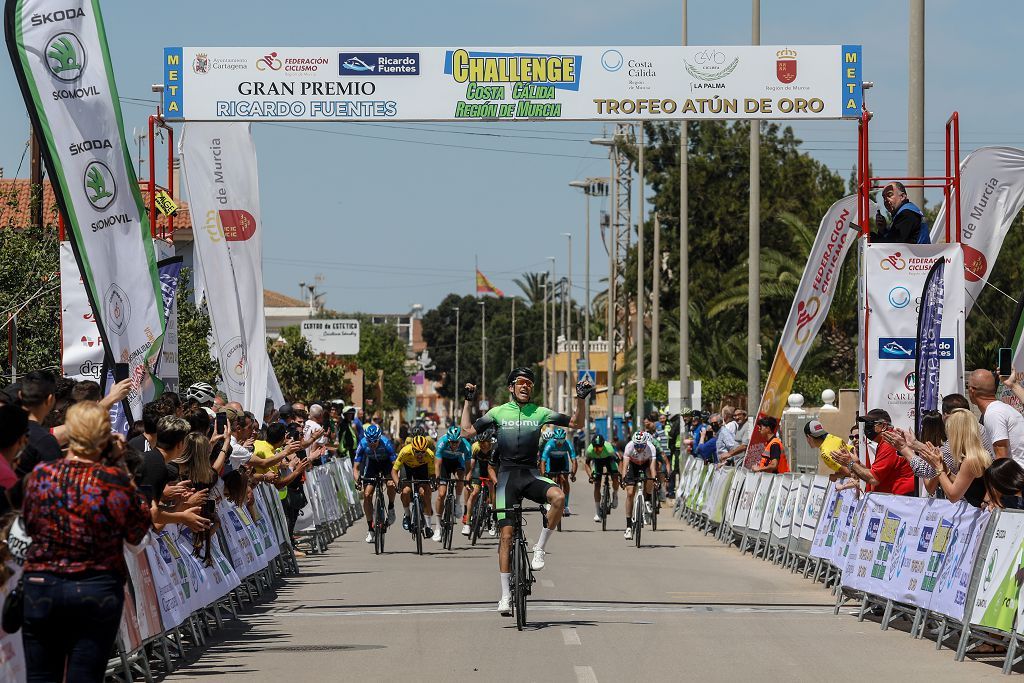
{"points": [[455, 388], [554, 328], [483, 348], [569, 366], [610, 303]]}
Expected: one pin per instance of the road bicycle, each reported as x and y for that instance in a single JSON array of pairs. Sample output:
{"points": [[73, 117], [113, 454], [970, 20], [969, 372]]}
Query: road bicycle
{"points": [[639, 506], [521, 581], [417, 523], [447, 513], [380, 511], [604, 506], [481, 513]]}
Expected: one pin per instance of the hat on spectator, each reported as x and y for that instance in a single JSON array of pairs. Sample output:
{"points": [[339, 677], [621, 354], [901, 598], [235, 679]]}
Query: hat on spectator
{"points": [[286, 411], [238, 457], [875, 415], [815, 429]]}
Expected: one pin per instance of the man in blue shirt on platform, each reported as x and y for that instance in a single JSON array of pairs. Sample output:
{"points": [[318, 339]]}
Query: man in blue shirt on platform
{"points": [[907, 225]]}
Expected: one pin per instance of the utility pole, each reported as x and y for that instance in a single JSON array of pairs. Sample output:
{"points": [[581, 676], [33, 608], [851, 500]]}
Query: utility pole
{"points": [[754, 239], [36, 174], [684, 253], [483, 347], [915, 103], [570, 368], [513, 334], [641, 143], [656, 298], [586, 319], [554, 334], [547, 356], [457, 387]]}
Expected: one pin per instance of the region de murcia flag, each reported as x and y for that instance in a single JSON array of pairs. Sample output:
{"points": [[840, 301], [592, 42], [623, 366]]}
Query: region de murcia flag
{"points": [[484, 286], [810, 307], [219, 162], [991, 196], [59, 52]]}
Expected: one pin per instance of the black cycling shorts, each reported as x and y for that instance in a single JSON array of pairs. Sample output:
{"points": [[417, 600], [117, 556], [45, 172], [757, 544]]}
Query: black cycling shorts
{"points": [[633, 473], [518, 483], [559, 465], [369, 469], [421, 472], [602, 465], [450, 467]]}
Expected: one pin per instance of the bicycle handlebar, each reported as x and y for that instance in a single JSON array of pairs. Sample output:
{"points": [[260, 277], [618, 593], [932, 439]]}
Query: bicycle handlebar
{"points": [[519, 509]]}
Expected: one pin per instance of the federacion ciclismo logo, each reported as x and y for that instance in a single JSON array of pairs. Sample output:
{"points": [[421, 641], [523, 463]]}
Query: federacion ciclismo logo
{"points": [[100, 188], [65, 56]]}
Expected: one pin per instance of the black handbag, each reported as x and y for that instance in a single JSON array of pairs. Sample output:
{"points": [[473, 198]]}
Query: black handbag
{"points": [[14, 609]]}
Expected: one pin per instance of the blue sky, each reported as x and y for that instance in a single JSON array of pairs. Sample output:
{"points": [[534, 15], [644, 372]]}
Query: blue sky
{"points": [[396, 221]]}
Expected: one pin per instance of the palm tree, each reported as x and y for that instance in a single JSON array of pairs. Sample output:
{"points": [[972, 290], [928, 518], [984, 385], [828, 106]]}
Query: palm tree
{"points": [[532, 285]]}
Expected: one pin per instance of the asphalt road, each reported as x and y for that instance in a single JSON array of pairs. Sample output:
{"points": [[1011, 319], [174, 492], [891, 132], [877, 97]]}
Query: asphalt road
{"points": [[683, 607]]}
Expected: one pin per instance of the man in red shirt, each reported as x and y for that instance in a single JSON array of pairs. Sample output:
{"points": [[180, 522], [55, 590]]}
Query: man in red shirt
{"points": [[890, 472]]}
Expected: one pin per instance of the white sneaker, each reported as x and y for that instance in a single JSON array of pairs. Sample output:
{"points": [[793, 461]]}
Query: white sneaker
{"points": [[492, 532], [505, 606], [597, 518], [629, 533], [649, 508], [465, 530], [437, 535], [369, 537], [391, 516], [615, 500], [538, 559]]}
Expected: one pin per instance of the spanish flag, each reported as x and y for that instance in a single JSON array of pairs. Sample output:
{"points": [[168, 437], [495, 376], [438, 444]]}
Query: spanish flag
{"points": [[484, 286]]}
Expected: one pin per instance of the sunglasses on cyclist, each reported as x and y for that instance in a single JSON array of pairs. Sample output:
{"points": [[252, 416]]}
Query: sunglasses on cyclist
{"points": [[522, 382]]}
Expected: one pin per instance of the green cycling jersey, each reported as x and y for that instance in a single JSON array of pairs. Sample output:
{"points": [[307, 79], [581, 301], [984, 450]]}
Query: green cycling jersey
{"points": [[519, 431]]}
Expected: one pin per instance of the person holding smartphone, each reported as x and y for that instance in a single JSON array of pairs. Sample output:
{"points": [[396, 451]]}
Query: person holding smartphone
{"points": [[889, 471]]}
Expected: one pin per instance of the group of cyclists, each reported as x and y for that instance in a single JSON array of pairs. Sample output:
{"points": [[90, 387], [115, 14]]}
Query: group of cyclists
{"points": [[504, 455]]}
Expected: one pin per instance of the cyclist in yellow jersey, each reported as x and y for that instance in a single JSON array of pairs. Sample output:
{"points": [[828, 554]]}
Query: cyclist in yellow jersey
{"points": [[418, 460]]}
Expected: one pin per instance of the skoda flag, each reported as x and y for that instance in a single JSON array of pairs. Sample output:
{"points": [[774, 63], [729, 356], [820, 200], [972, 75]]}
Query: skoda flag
{"points": [[929, 335], [59, 52]]}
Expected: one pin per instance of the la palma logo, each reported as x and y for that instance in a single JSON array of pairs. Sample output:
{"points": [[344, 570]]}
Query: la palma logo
{"points": [[65, 56]]}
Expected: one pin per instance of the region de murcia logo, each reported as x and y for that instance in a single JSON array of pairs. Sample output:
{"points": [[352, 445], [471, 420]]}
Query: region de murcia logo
{"points": [[785, 66]]}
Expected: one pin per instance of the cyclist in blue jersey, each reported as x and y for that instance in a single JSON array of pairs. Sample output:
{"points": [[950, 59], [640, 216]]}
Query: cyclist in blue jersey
{"points": [[452, 454], [558, 462], [374, 456]]}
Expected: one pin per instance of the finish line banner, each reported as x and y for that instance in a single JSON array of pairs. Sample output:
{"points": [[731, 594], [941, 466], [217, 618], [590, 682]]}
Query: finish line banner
{"points": [[462, 83]]}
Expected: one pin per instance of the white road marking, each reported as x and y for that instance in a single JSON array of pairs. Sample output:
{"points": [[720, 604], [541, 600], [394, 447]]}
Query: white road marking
{"points": [[542, 606], [570, 637], [584, 674], [547, 583]]}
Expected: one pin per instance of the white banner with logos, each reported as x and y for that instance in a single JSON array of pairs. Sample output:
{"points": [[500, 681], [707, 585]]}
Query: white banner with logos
{"points": [[340, 337], [508, 83], [835, 528], [60, 57], [997, 600], [894, 275], [81, 344], [219, 163], [991, 196], [812, 506], [916, 551]]}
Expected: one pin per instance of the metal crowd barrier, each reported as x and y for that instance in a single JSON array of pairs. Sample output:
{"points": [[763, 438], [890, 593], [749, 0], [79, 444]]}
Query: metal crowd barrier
{"points": [[950, 571]]}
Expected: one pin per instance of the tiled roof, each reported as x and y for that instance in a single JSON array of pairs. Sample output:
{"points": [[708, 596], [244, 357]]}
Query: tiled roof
{"points": [[15, 205], [278, 300]]}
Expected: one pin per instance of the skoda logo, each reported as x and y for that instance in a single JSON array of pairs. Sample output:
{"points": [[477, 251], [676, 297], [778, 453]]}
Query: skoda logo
{"points": [[65, 56], [100, 188], [612, 60], [899, 297]]}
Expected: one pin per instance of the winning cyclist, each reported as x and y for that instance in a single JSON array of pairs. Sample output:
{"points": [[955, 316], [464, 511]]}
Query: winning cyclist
{"points": [[555, 462], [601, 455], [483, 466], [418, 460], [519, 424], [451, 455], [376, 451], [639, 455]]}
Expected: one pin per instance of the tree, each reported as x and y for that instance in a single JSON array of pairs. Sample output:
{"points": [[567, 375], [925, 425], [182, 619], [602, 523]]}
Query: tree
{"points": [[383, 355], [303, 374], [194, 361], [29, 274], [532, 285]]}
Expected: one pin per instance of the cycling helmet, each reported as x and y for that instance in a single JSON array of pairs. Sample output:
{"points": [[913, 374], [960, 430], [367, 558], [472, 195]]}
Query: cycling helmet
{"points": [[419, 443], [489, 434], [598, 441], [201, 392], [640, 439], [558, 434], [372, 433], [454, 432], [520, 372], [418, 429]]}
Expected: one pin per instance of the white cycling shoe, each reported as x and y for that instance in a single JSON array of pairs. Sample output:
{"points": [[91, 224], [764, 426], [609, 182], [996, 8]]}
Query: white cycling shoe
{"points": [[538, 559], [505, 606], [492, 532], [465, 530], [369, 537], [437, 535], [597, 518], [629, 533]]}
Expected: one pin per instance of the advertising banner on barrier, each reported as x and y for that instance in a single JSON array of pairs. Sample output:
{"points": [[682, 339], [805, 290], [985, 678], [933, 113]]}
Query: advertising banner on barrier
{"points": [[810, 308], [735, 490], [788, 486], [745, 502], [460, 83], [763, 492], [996, 601], [219, 164], [812, 506], [832, 537], [64, 70], [916, 551], [143, 589], [12, 659], [991, 196], [81, 343], [775, 487], [170, 576], [895, 276]]}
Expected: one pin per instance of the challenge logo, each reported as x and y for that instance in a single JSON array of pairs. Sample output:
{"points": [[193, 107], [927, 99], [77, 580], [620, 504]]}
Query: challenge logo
{"points": [[710, 65], [100, 188], [201, 64], [379, 64], [118, 308], [899, 297], [558, 71], [65, 56], [785, 66], [894, 262], [268, 62]]}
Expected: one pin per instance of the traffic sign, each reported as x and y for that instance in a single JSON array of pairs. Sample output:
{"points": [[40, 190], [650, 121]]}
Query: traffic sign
{"points": [[581, 364], [590, 375]]}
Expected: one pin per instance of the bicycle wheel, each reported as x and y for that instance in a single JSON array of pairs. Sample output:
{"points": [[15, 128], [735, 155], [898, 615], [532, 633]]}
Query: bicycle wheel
{"points": [[379, 522], [654, 512], [417, 514], [638, 518], [520, 576], [448, 526], [604, 505], [476, 523]]}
